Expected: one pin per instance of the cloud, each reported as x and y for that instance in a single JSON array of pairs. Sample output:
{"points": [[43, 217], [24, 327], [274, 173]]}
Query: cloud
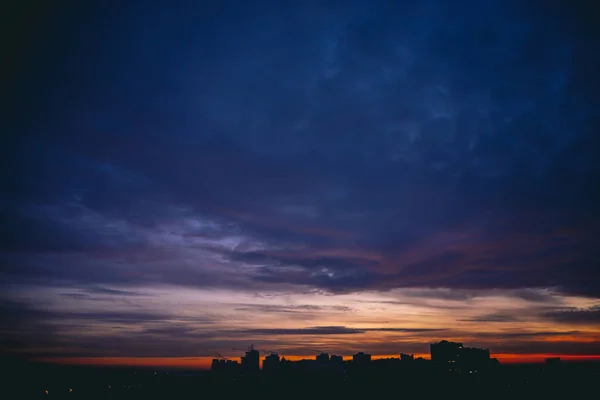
{"points": [[76, 295], [545, 347], [589, 316], [322, 262], [110, 291], [476, 150], [335, 330], [432, 164], [519, 335], [537, 296], [496, 317], [269, 308], [317, 330], [407, 330], [326, 148]]}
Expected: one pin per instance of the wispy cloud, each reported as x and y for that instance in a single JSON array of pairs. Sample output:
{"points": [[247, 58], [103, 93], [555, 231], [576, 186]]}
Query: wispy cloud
{"points": [[492, 318], [335, 330]]}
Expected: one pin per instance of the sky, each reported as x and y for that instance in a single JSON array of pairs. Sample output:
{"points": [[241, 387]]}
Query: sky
{"points": [[184, 179]]}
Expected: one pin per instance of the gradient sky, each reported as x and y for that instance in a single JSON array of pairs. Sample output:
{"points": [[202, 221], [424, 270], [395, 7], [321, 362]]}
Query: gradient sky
{"points": [[188, 178]]}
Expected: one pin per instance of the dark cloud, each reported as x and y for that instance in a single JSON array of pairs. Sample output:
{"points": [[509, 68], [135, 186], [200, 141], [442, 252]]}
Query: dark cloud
{"points": [[377, 137], [330, 279], [335, 330], [575, 316], [304, 308], [545, 347], [407, 330], [40, 332], [316, 330], [115, 316], [535, 296], [462, 295], [492, 318], [519, 335], [333, 263], [453, 295], [23, 313], [76, 295], [177, 331], [109, 291]]}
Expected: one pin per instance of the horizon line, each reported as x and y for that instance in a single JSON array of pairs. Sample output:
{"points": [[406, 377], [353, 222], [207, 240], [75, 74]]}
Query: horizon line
{"points": [[204, 362]]}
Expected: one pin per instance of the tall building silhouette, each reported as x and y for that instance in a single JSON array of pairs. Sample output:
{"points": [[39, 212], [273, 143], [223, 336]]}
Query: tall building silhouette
{"points": [[336, 360], [474, 359], [360, 359], [454, 356], [271, 363], [445, 352], [251, 361]]}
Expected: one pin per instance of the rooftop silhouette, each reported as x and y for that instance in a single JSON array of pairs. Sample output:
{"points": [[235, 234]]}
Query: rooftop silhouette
{"points": [[453, 368]]}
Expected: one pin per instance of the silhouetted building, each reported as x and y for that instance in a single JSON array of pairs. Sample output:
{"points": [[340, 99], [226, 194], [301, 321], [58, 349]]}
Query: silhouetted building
{"points": [[251, 361], [474, 359], [361, 359], [222, 363], [445, 352], [323, 358], [223, 366], [407, 357], [388, 375], [271, 363], [336, 359], [454, 356], [552, 363]]}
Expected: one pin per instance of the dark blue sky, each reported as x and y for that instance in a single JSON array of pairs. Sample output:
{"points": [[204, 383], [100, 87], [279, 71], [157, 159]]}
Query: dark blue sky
{"points": [[330, 147]]}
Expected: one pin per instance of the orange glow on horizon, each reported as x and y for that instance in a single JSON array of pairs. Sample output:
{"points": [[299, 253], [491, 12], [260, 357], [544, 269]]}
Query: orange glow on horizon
{"points": [[159, 362], [205, 362], [537, 358]]}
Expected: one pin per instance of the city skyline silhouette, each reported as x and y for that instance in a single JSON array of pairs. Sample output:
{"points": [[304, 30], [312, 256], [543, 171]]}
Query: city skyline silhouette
{"points": [[453, 368]]}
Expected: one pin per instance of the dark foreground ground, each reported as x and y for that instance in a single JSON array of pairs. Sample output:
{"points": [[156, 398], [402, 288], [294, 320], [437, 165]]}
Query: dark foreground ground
{"points": [[40, 381]]}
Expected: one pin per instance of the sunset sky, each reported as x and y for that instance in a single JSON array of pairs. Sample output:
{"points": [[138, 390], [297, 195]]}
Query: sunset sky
{"points": [[186, 178]]}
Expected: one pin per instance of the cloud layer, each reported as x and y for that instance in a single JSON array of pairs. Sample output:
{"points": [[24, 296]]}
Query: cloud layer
{"points": [[443, 150]]}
